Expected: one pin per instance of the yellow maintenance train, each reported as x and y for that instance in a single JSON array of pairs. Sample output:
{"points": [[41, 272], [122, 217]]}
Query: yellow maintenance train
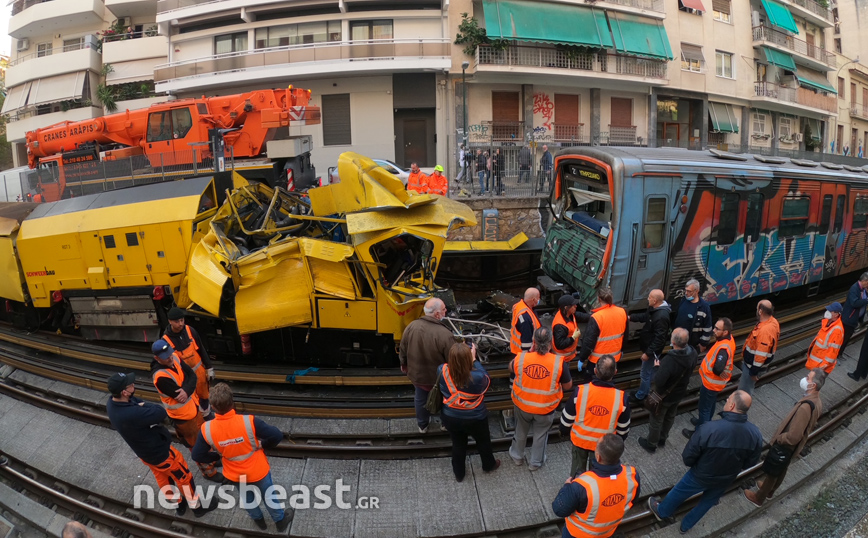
{"points": [[328, 278]]}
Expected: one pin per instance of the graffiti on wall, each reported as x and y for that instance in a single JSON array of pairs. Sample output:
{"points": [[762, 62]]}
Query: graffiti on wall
{"points": [[544, 106], [477, 132]]}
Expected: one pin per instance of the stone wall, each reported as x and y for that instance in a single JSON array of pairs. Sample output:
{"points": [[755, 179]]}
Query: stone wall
{"points": [[529, 215]]}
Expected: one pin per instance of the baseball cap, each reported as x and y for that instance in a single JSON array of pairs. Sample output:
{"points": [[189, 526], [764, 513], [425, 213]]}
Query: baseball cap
{"points": [[175, 313], [438, 168], [162, 350], [118, 382], [567, 300], [835, 307]]}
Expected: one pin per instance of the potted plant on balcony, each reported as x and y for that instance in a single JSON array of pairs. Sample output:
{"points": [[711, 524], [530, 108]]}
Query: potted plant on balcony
{"points": [[472, 36], [575, 57]]}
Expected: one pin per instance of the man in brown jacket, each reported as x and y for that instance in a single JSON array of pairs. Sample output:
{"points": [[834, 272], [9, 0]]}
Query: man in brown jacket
{"points": [[793, 432], [425, 345]]}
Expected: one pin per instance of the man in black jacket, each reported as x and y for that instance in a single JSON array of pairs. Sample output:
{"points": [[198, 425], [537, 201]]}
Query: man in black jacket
{"points": [[652, 338], [854, 310], [672, 376], [716, 453], [140, 424]]}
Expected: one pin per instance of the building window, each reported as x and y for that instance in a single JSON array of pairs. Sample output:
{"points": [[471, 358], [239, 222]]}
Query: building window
{"points": [[227, 43], [841, 86], [721, 10], [838, 45], [298, 34], [43, 49], [759, 123], [723, 62], [73, 44], [367, 30], [794, 217], [785, 127], [336, 127], [691, 58]]}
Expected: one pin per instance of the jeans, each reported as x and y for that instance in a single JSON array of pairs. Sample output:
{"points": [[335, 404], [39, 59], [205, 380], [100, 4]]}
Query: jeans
{"points": [[273, 506], [661, 423], [523, 175], [580, 460], [707, 401], [482, 179], [539, 426], [683, 490], [423, 417], [848, 333], [459, 430], [645, 376], [746, 383]]}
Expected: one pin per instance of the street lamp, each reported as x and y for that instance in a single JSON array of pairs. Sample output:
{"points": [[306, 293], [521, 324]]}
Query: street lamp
{"points": [[464, 65]]}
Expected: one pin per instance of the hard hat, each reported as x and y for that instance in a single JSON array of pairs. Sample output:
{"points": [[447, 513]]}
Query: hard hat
{"points": [[438, 168]]}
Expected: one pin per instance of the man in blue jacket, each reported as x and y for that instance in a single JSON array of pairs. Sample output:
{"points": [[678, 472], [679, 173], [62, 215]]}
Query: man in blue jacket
{"points": [[854, 310], [716, 454], [694, 314]]}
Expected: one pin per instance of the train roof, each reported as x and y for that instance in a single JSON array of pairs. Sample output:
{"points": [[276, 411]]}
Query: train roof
{"points": [[662, 159]]}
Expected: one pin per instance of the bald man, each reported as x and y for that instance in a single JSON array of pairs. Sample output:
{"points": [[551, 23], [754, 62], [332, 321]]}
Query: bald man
{"points": [[425, 345], [74, 529], [652, 338], [524, 322], [760, 346]]}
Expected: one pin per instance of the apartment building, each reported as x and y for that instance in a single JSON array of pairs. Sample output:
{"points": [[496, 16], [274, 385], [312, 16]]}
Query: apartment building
{"points": [[850, 40], [393, 83]]}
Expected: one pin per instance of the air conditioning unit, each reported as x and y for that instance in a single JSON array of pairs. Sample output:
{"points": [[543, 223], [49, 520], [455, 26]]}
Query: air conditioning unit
{"points": [[798, 137], [23, 44], [124, 21]]}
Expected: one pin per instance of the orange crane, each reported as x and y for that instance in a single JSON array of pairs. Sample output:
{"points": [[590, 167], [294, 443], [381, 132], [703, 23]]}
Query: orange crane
{"points": [[173, 133]]}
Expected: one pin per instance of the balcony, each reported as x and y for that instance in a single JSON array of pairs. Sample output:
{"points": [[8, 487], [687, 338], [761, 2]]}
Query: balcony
{"points": [[56, 62], [620, 135], [32, 18], [568, 133], [134, 59], [771, 93], [813, 12], [804, 53], [278, 63], [859, 111], [533, 60], [648, 8], [29, 121], [503, 131], [132, 8]]}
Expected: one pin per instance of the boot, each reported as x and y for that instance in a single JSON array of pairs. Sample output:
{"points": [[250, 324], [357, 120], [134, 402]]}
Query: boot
{"points": [[753, 498]]}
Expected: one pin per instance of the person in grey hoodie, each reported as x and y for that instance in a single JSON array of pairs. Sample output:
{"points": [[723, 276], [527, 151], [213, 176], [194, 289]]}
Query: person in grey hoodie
{"points": [[672, 374], [652, 338]]}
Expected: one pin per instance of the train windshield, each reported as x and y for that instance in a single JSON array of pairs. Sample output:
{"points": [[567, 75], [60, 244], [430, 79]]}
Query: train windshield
{"points": [[583, 198], [400, 257]]}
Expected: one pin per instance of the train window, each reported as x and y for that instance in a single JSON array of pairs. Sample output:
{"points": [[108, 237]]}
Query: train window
{"points": [[839, 213], [727, 221], [109, 241], [826, 214], [655, 223], [160, 126], [860, 213], [754, 223], [794, 217], [132, 239]]}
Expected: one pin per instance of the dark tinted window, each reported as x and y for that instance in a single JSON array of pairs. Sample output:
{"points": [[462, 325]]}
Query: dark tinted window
{"points": [[727, 223], [860, 213], [754, 223], [839, 212], [132, 239], [109, 241], [825, 214], [794, 217]]}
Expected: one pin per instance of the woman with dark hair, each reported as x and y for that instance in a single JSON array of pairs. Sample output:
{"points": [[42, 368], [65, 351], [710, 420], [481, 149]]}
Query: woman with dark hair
{"points": [[463, 382]]}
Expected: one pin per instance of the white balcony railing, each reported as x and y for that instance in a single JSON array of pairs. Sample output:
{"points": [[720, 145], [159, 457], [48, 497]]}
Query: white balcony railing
{"points": [[651, 5], [815, 8], [377, 49], [550, 57], [764, 33]]}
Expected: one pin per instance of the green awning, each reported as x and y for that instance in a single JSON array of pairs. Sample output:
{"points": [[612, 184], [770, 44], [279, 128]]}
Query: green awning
{"points": [[780, 16], [722, 118], [640, 36], [547, 23], [780, 59], [814, 80]]}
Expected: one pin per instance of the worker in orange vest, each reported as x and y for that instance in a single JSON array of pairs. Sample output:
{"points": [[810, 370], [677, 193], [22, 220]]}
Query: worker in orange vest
{"points": [[595, 502], [176, 384], [417, 181], [760, 346], [823, 351], [605, 332], [565, 329], [541, 377], [596, 408], [437, 182], [239, 440], [190, 348], [524, 322], [715, 371]]}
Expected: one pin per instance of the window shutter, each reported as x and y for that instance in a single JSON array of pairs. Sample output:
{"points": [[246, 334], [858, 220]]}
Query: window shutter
{"points": [[720, 5], [336, 127]]}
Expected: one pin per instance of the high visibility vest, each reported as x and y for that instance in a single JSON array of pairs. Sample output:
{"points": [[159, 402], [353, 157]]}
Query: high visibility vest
{"points": [[823, 351], [569, 353], [234, 437], [514, 336], [537, 389], [760, 346], [458, 399], [418, 182], [597, 412], [174, 408], [709, 380], [189, 355], [609, 499], [438, 184], [612, 321]]}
